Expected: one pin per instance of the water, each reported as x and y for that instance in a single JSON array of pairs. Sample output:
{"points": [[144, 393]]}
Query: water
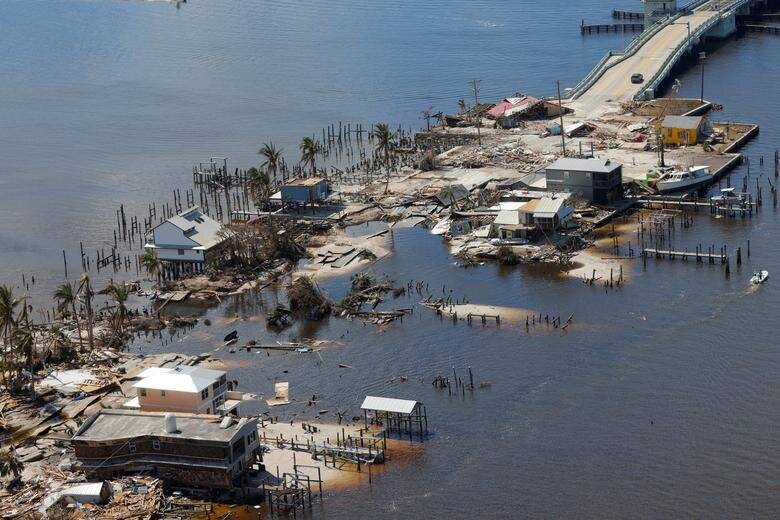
{"points": [[658, 402]]}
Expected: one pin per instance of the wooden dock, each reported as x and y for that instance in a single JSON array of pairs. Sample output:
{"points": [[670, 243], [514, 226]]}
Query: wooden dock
{"points": [[711, 256], [627, 15], [611, 28]]}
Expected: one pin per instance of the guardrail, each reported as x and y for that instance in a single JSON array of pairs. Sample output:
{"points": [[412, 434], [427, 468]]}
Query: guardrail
{"points": [[671, 60], [602, 67]]}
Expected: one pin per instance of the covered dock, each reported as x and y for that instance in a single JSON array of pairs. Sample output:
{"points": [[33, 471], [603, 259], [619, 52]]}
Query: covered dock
{"points": [[400, 415]]}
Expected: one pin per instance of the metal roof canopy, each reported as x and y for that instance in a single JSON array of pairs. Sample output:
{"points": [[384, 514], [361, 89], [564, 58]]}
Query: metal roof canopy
{"points": [[387, 404]]}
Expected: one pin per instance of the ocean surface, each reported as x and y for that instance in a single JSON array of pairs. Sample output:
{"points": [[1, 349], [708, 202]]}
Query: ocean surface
{"points": [[661, 400]]}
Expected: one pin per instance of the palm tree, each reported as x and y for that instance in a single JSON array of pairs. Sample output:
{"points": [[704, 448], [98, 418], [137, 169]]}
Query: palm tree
{"points": [[85, 288], [65, 295], [119, 293], [273, 157], [384, 145], [9, 464], [259, 185], [152, 264], [8, 304], [309, 149]]}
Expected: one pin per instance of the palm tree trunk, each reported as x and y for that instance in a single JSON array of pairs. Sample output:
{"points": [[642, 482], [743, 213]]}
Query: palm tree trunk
{"points": [[78, 325]]}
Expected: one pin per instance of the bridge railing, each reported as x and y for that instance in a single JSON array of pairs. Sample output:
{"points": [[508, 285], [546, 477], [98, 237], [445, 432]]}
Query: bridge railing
{"points": [[655, 81], [604, 65]]}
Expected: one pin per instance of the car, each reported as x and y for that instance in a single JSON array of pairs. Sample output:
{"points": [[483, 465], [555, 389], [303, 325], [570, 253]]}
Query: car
{"points": [[637, 78]]}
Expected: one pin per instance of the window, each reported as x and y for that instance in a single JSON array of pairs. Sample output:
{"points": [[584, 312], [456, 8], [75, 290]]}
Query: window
{"points": [[156, 445], [566, 175], [162, 393], [204, 394], [142, 392], [180, 251], [132, 447]]}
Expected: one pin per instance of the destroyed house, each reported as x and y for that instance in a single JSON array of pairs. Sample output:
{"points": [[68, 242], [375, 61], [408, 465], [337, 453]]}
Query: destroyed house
{"points": [[597, 180], [190, 238], [201, 451], [186, 389], [510, 112]]}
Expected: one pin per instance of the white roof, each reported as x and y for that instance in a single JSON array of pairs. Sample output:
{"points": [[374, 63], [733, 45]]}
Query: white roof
{"points": [[387, 404], [198, 227], [548, 208], [178, 379], [508, 217]]}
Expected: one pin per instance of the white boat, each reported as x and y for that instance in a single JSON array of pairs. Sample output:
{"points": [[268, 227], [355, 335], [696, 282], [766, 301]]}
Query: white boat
{"points": [[689, 179], [729, 196], [759, 277], [442, 227]]}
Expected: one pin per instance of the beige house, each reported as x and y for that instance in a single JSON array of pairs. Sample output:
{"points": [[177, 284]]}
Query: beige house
{"points": [[515, 220], [184, 389]]}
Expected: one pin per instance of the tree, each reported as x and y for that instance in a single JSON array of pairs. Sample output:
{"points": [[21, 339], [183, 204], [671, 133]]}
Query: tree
{"points": [[65, 295], [152, 264], [85, 289], [384, 145], [260, 186], [9, 464], [119, 294], [309, 149], [273, 157], [8, 304]]}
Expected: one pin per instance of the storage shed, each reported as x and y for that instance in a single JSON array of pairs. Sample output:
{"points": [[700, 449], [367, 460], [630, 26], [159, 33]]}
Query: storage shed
{"points": [[681, 130]]}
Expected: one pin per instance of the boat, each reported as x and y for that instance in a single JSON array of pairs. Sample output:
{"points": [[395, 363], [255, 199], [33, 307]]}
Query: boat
{"points": [[694, 177], [442, 227], [759, 277], [729, 196]]}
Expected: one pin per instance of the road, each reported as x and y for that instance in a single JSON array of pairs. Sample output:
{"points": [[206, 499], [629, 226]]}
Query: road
{"points": [[615, 85]]}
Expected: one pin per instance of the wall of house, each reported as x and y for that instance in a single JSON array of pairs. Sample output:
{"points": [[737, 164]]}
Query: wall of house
{"points": [[166, 234], [305, 193], [154, 401], [679, 136], [172, 255], [576, 182]]}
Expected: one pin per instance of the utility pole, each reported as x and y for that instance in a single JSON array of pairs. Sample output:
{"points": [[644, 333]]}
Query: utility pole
{"points": [[702, 58], [560, 109], [475, 89]]}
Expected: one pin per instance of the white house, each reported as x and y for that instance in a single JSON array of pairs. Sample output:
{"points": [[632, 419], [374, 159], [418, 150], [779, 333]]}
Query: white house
{"points": [[551, 214], [189, 238], [185, 389]]}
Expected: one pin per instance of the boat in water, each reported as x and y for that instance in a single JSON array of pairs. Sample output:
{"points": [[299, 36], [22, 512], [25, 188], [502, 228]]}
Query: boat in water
{"points": [[729, 196], [694, 177], [759, 277]]}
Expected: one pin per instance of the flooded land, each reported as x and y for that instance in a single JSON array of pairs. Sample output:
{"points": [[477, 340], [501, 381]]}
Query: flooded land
{"points": [[347, 260]]}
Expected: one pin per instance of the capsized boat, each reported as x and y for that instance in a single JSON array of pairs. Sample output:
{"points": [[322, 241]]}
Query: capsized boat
{"points": [[694, 177], [759, 277]]}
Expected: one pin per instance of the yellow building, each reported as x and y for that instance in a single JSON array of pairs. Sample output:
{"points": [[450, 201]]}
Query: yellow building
{"points": [[681, 130]]}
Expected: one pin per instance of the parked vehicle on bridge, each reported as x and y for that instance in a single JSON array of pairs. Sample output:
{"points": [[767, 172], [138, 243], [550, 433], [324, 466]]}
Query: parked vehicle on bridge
{"points": [[637, 78]]}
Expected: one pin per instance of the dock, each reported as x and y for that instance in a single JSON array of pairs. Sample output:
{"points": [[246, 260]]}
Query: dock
{"points": [[700, 256], [611, 28]]}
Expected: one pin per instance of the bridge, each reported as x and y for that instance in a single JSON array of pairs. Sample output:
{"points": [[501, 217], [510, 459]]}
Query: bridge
{"points": [[653, 54]]}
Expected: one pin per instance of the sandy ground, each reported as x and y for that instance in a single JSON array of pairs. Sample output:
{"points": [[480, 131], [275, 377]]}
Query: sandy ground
{"points": [[509, 315], [344, 476]]}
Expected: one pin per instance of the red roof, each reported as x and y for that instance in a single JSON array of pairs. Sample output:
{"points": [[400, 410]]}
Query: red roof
{"points": [[511, 105]]}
